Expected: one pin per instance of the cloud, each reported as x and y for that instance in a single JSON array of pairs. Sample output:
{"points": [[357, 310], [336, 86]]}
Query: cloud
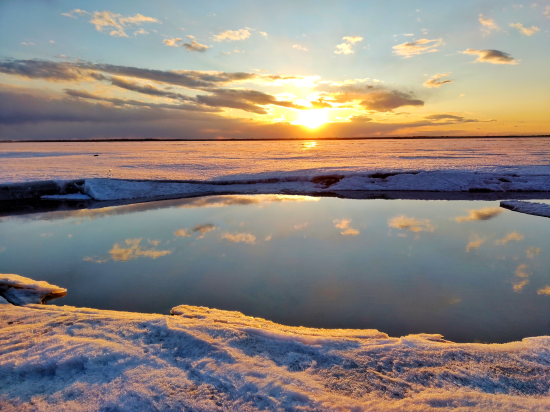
{"points": [[435, 82], [416, 47], [195, 46], [133, 250], [232, 35], [491, 56], [239, 237], [344, 225], [488, 24], [386, 100], [480, 214], [346, 48], [547, 12], [26, 44], [513, 236], [475, 244], [528, 31], [301, 226], [298, 47], [147, 89], [172, 42], [411, 224], [531, 252], [182, 233], [544, 291], [204, 229], [108, 20]]}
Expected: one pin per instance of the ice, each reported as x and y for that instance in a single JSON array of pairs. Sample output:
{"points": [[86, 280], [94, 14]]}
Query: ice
{"points": [[75, 359], [72, 196], [19, 290], [530, 208]]}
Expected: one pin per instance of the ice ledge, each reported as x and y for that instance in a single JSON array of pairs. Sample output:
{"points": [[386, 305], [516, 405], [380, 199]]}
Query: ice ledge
{"points": [[530, 208], [19, 290]]}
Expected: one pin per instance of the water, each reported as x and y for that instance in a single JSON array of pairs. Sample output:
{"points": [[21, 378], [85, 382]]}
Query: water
{"points": [[466, 269], [211, 160]]}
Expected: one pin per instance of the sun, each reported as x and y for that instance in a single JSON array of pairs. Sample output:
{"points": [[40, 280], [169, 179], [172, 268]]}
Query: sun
{"points": [[312, 118]]}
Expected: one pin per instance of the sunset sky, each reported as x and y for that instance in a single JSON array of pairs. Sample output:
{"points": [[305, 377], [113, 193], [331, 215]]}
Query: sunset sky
{"points": [[282, 69]]}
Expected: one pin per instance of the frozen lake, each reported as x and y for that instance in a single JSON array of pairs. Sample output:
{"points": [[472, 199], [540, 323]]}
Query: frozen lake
{"points": [[466, 269]]}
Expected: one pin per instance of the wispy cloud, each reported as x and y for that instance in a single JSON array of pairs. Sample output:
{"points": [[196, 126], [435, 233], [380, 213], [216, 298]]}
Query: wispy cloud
{"points": [[232, 35], [411, 224], [298, 47], [239, 237], [195, 46], [488, 24], [417, 47], [344, 226], [107, 20], [480, 214], [528, 31], [131, 249], [435, 81], [513, 236]]}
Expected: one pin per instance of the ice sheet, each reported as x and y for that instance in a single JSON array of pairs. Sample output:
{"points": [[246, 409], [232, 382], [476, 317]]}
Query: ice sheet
{"points": [[19, 290], [530, 208]]}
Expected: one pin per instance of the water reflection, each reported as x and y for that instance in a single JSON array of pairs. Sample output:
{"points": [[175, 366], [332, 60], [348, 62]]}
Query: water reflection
{"points": [[514, 236], [133, 250], [480, 214], [321, 263]]}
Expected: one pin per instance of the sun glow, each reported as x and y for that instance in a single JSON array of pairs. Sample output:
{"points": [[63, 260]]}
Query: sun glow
{"points": [[312, 118]]}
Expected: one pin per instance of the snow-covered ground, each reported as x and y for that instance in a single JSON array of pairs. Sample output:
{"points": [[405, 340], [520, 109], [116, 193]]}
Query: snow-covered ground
{"points": [[530, 208], [76, 359]]}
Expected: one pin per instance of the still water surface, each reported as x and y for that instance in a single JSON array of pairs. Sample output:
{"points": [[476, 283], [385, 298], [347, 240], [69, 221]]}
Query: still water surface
{"points": [[466, 269]]}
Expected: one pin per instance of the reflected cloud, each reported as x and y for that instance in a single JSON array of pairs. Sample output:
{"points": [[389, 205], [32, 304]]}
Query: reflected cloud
{"points": [[531, 252], [133, 250], [411, 224], [475, 244], [95, 259], [513, 236], [544, 291], [234, 200], [522, 273], [480, 214], [203, 229], [182, 233], [344, 225], [239, 237]]}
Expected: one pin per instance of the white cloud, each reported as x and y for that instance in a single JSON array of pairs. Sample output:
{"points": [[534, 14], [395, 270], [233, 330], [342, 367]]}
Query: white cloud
{"points": [[421, 46], [140, 31], [346, 48], [298, 47], [52, 42], [172, 42], [195, 46], [488, 24], [232, 35], [528, 31]]}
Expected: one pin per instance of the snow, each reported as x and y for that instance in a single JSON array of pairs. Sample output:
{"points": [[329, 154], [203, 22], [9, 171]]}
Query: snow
{"points": [[72, 196], [19, 290], [207, 359], [77, 359], [433, 181], [530, 208]]}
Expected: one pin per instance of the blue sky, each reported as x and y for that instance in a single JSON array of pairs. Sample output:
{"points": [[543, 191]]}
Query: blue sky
{"points": [[487, 60]]}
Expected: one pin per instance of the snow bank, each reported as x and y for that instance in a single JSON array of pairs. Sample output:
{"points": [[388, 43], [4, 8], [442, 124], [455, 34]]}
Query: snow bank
{"points": [[70, 359], [530, 208], [19, 290], [432, 181], [72, 196]]}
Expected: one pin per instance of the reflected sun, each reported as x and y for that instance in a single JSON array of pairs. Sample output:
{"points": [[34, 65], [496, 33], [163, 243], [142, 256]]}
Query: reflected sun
{"points": [[312, 118]]}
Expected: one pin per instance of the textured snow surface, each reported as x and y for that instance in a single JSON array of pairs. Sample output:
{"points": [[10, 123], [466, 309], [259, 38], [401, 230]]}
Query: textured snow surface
{"points": [[435, 181], [71, 359], [530, 208], [19, 290], [72, 196]]}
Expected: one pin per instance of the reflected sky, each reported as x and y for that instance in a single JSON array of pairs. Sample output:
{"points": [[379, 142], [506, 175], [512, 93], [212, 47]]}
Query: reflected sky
{"points": [[466, 269]]}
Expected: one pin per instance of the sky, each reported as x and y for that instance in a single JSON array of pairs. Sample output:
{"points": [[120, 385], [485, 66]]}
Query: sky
{"points": [[273, 69]]}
